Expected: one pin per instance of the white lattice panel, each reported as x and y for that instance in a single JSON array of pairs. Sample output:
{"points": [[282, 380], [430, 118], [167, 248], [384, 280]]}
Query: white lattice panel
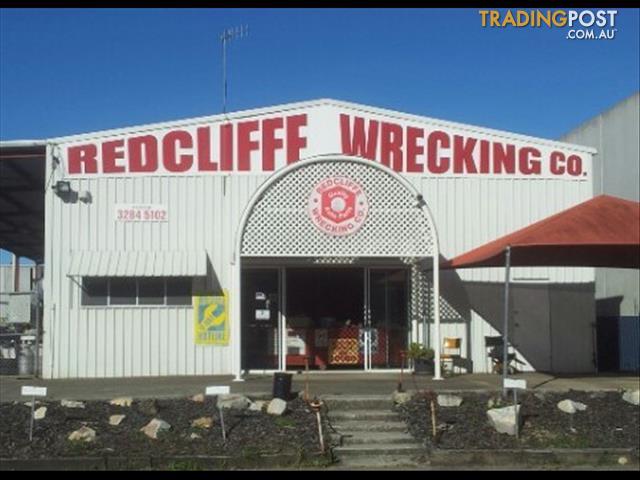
{"points": [[396, 226]]}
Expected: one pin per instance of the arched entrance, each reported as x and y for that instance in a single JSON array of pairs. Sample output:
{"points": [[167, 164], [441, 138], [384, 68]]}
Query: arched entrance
{"points": [[323, 220]]}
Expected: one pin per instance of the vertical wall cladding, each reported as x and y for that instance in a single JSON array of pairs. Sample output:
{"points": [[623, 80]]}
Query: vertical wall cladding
{"points": [[472, 211], [137, 341]]}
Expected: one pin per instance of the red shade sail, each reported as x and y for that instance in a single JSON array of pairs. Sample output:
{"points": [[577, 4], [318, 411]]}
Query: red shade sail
{"points": [[601, 232]]}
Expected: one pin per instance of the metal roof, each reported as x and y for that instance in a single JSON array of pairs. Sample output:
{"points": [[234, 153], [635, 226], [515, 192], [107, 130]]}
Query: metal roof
{"points": [[101, 263]]}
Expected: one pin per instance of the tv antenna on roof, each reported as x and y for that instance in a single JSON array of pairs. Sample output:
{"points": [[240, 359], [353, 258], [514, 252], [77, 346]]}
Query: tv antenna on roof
{"points": [[225, 37]]}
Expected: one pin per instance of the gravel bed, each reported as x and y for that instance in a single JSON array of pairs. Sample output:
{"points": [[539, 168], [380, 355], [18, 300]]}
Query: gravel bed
{"points": [[608, 422], [249, 433]]}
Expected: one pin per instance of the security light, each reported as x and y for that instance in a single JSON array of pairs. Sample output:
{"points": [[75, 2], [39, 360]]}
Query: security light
{"points": [[62, 188]]}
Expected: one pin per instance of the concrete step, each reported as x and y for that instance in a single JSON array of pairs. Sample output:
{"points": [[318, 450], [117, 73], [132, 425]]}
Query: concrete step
{"points": [[370, 426], [370, 438], [379, 449], [358, 402], [362, 415], [379, 462]]}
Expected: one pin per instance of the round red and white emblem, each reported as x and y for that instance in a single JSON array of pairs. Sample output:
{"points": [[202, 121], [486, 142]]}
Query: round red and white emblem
{"points": [[338, 206]]}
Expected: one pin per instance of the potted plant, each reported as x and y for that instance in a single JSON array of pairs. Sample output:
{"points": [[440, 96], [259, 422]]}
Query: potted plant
{"points": [[421, 357]]}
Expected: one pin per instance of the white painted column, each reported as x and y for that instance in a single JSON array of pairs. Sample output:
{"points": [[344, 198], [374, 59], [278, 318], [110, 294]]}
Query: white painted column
{"points": [[436, 315], [236, 340]]}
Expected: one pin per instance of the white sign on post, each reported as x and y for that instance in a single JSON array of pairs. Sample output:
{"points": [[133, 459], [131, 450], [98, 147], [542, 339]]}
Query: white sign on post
{"points": [[513, 383], [34, 391], [217, 391]]}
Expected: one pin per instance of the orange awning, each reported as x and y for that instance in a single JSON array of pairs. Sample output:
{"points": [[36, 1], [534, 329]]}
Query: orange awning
{"points": [[601, 232]]}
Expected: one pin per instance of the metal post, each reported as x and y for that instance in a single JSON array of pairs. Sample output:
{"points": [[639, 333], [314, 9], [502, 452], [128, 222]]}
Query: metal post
{"points": [[505, 333], [436, 314], [36, 371], [33, 407], [515, 406]]}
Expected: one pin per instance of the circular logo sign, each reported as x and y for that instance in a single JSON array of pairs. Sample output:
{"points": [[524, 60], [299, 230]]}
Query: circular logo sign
{"points": [[338, 206]]}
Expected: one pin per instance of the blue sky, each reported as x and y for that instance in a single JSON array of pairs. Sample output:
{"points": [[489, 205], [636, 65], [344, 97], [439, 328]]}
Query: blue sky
{"points": [[77, 70]]}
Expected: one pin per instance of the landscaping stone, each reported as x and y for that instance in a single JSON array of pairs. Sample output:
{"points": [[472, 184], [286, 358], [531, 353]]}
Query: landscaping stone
{"points": [[277, 406], [632, 397], [83, 434], [234, 401], [40, 413], [199, 398], [400, 397], [503, 419], [116, 419], [71, 404], [449, 400], [257, 406], [154, 427], [148, 407], [122, 401], [569, 406], [202, 422], [194, 436]]}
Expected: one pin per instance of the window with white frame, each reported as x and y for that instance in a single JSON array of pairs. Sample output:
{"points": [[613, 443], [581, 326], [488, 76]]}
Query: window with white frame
{"points": [[131, 291]]}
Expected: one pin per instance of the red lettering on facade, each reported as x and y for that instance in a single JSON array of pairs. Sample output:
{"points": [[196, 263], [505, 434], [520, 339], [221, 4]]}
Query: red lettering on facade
{"points": [[112, 152], [529, 160], [556, 163], [463, 161], [143, 154], [391, 145], [245, 144], [172, 161], [205, 161], [295, 141], [82, 159], [270, 143], [504, 158], [357, 142], [435, 163]]}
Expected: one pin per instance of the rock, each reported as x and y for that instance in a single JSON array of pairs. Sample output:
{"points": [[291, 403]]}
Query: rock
{"points": [[198, 398], [598, 395], [194, 436], [632, 397], [449, 400], [277, 406], [400, 398], [623, 460], [202, 422], [28, 404], [148, 407], [122, 401], [71, 404], [154, 427], [116, 419], [503, 419], [540, 396], [234, 401], [40, 413], [257, 406], [569, 406], [83, 434]]}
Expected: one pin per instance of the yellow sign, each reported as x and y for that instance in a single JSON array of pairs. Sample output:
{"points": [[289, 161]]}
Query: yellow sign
{"points": [[211, 319]]}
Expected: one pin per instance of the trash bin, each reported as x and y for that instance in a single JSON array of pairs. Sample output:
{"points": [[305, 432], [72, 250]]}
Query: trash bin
{"points": [[282, 385]]}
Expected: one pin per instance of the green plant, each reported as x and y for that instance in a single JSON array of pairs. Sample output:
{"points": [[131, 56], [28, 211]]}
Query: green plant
{"points": [[417, 351]]}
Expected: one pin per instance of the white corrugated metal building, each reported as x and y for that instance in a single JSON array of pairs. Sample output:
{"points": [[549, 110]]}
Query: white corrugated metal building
{"points": [[254, 240]]}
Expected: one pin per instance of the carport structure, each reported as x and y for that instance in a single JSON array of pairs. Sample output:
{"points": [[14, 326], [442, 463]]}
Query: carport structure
{"points": [[22, 186], [601, 232]]}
